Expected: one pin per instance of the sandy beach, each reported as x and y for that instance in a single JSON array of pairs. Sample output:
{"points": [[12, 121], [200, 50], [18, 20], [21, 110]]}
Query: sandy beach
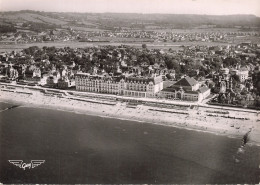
{"points": [[231, 123]]}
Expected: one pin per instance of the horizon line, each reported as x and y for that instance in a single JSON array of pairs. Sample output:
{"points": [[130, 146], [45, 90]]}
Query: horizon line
{"points": [[2, 11]]}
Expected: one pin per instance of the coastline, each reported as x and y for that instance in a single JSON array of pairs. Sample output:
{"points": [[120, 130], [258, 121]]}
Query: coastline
{"points": [[190, 119]]}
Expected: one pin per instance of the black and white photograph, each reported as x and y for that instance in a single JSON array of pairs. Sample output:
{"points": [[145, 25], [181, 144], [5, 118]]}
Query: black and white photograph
{"points": [[129, 91]]}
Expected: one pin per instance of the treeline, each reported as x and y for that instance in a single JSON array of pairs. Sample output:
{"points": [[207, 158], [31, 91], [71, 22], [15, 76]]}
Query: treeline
{"points": [[39, 27], [7, 29]]}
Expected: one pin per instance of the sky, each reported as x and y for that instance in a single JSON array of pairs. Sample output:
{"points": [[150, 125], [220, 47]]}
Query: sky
{"points": [[210, 7]]}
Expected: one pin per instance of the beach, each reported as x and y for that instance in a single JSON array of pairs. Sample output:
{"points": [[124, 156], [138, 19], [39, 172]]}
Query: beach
{"points": [[232, 123]]}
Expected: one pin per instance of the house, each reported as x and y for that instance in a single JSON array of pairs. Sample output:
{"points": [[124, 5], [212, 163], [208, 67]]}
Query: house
{"points": [[65, 82], [43, 80], [242, 73], [52, 79], [12, 73], [37, 72], [123, 64]]}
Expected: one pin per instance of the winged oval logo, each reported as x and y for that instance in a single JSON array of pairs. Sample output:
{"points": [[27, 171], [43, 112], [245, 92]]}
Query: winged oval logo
{"points": [[21, 164]]}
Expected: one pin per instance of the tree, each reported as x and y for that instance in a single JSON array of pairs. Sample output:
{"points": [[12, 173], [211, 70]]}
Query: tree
{"points": [[168, 76], [172, 63], [235, 78], [6, 29], [229, 61], [216, 64], [258, 87], [202, 73], [192, 73], [244, 91], [144, 46], [31, 50]]}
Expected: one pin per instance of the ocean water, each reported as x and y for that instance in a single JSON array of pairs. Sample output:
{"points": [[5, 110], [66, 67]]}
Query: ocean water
{"points": [[80, 148]]}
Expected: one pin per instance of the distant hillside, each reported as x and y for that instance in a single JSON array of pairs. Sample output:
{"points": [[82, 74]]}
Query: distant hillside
{"points": [[30, 16], [128, 20], [180, 20]]}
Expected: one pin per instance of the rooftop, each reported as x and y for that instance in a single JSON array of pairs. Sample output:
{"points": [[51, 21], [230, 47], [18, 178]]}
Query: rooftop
{"points": [[187, 81], [203, 89], [155, 80]]}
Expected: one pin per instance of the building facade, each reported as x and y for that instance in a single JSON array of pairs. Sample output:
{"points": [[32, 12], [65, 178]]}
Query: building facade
{"points": [[186, 89], [129, 86], [141, 87], [242, 73], [96, 83], [65, 82]]}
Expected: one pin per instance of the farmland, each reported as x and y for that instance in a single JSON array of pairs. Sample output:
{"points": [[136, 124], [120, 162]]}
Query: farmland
{"points": [[74, 44]]}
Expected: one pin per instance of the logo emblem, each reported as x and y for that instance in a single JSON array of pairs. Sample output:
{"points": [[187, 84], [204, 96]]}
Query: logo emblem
{"points": [[21, 164]]}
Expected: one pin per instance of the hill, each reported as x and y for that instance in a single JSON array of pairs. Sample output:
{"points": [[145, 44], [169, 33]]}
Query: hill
{"points": [[109, 21]]}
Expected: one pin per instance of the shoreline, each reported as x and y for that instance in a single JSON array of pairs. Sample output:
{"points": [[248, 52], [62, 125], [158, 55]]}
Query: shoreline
{"points": [[175, 125], [196, 120]]}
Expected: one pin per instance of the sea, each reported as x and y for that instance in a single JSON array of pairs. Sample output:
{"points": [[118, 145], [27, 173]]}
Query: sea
{"points": [[78, 148]]}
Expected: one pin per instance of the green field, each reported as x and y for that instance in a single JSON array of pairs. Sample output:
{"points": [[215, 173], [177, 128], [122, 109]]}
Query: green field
{"points": [[31, 17], [75, 44], [193, 30], [5, 47]]}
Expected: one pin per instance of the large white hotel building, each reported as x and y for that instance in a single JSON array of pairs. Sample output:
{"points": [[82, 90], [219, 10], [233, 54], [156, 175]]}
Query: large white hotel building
{"points": [[127, 86]]}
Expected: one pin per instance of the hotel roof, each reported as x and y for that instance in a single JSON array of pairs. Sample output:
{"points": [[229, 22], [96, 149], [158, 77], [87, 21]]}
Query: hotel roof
{"points": [[155, 80]]}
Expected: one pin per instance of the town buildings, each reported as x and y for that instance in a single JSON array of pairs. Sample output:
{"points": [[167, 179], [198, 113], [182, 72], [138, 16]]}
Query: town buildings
{"points": [[129, 71]]}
